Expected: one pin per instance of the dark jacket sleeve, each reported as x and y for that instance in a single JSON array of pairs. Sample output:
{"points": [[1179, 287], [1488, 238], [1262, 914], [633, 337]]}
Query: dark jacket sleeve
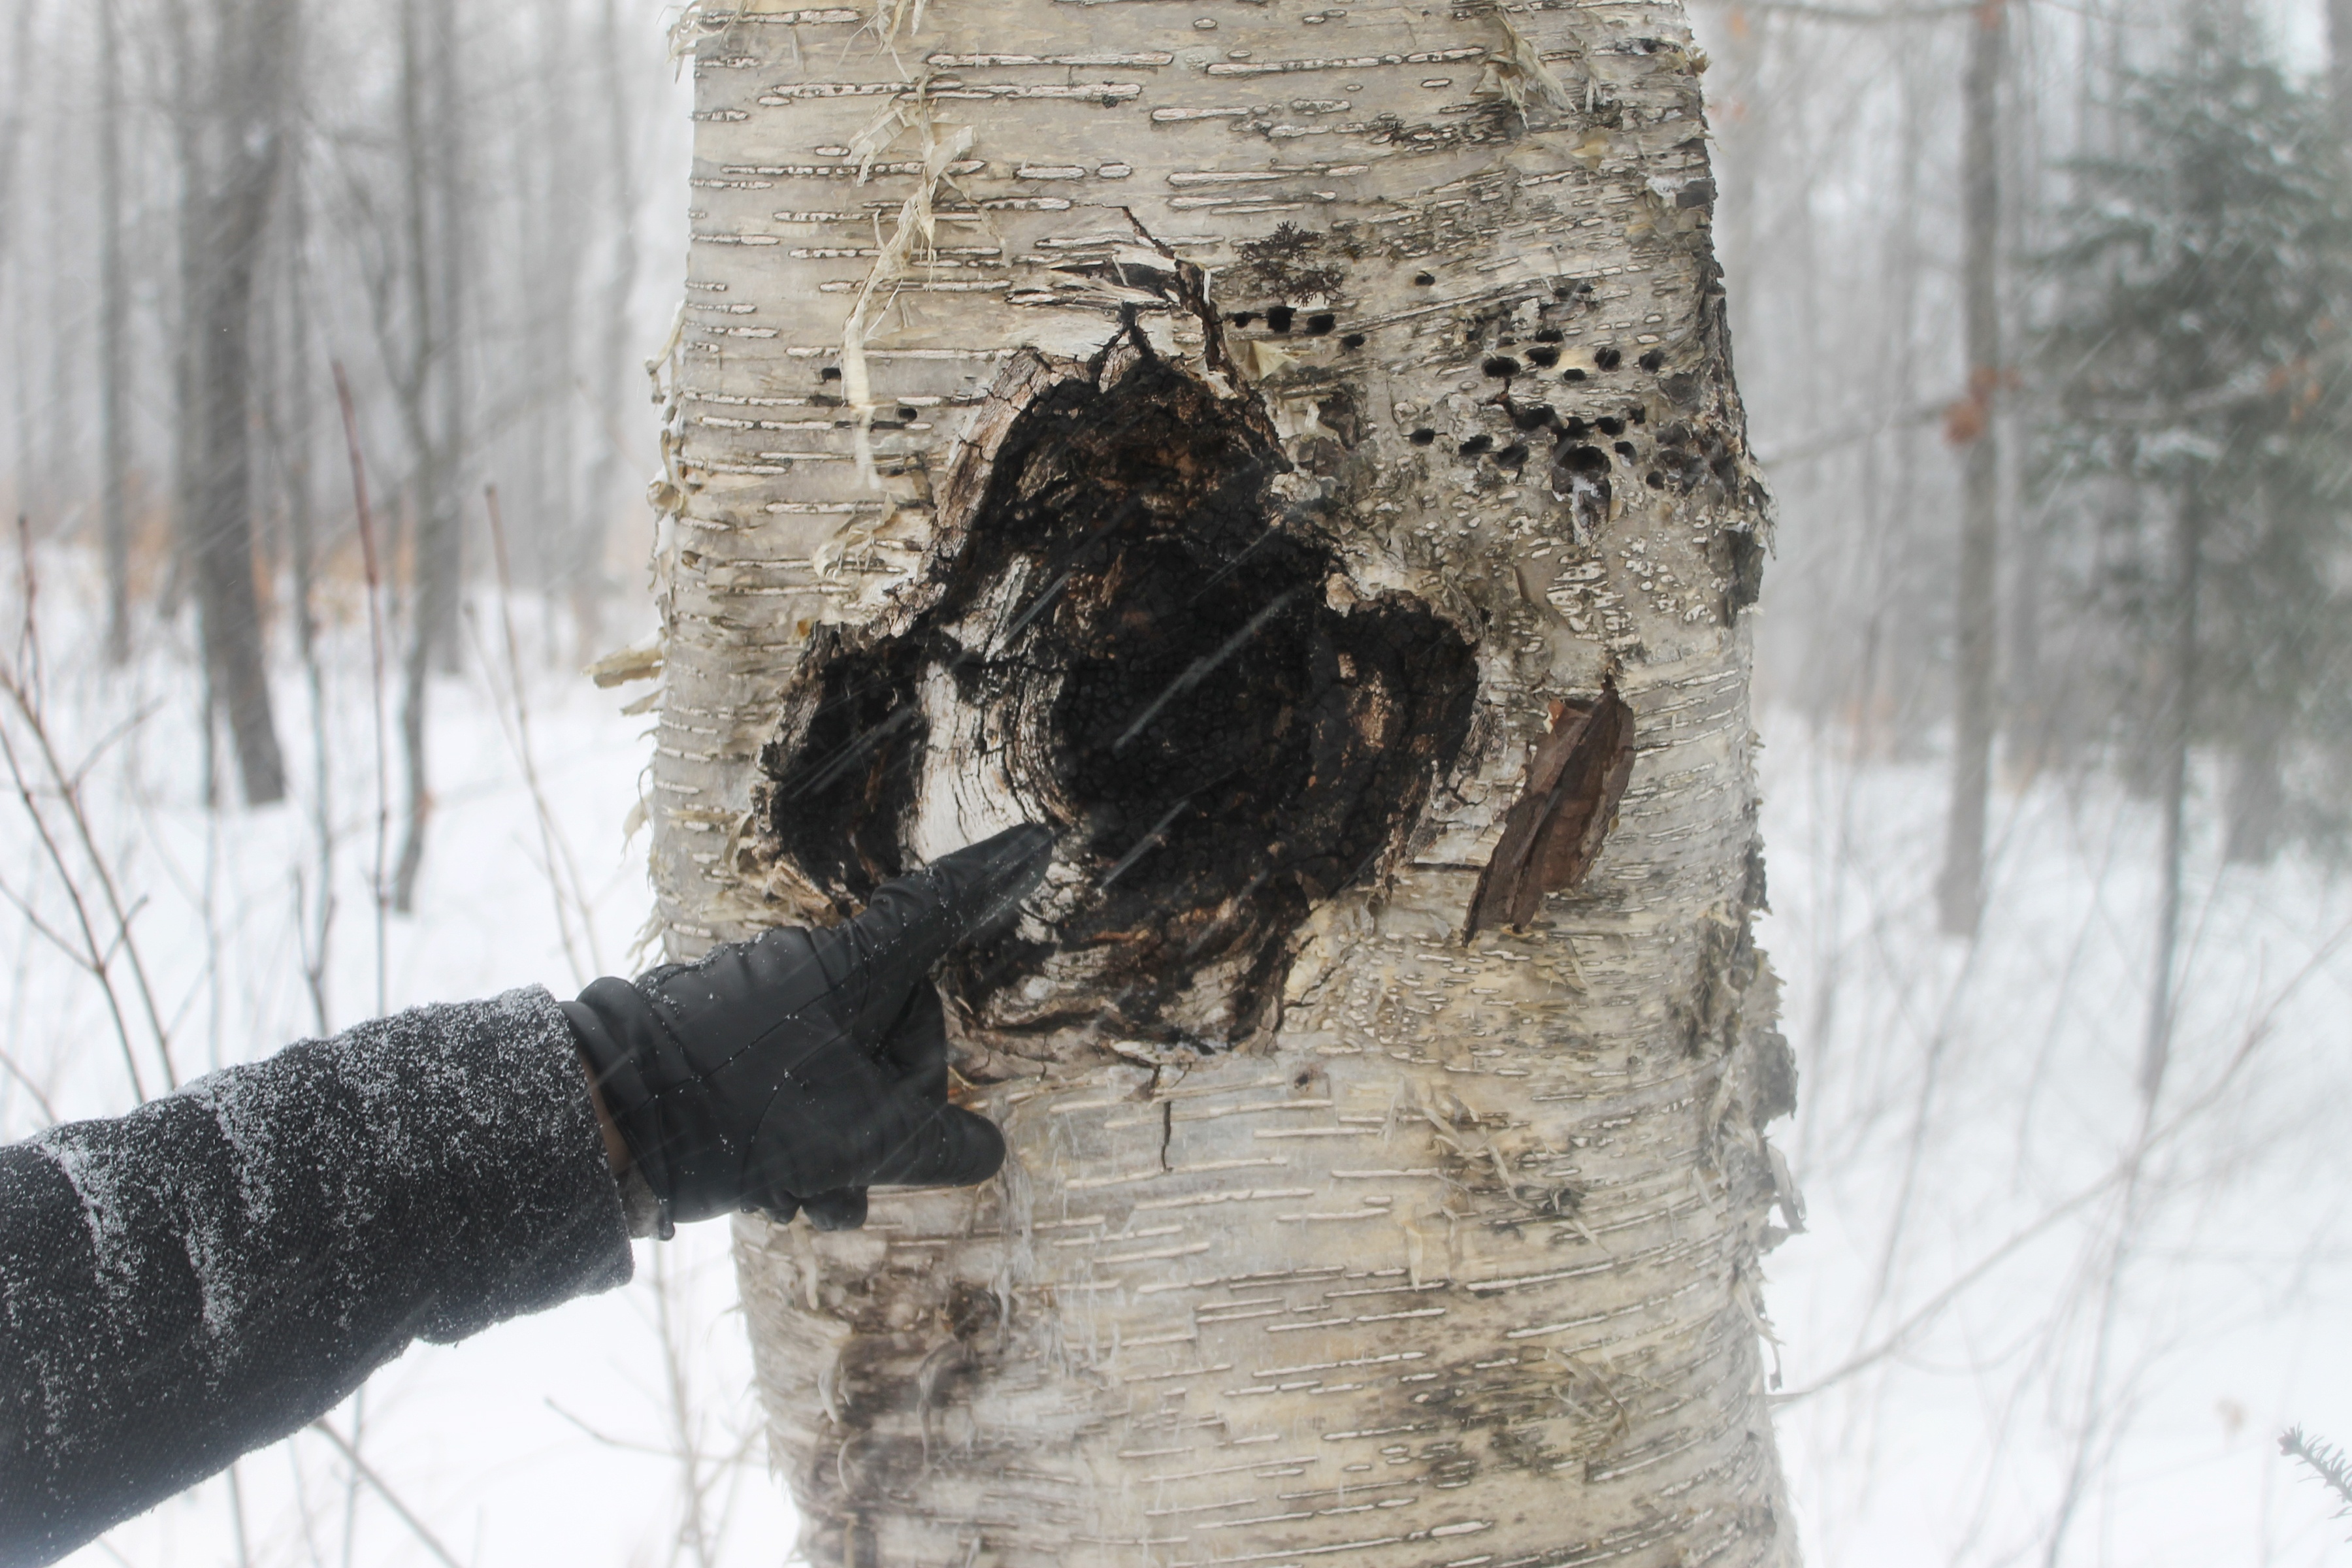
{"points": [[216, 1270]]}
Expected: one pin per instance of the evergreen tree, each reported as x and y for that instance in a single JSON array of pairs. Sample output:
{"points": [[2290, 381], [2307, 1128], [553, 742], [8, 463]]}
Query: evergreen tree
{"points": [[2198, 415]]}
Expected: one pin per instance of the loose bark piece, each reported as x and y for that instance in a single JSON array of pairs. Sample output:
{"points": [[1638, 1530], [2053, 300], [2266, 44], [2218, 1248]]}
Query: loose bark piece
{"points": [[1576, 778]]}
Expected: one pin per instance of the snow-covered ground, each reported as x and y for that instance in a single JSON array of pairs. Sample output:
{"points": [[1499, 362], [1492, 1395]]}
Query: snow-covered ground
{"points": [[1996, 1307], [2055, 1330]]}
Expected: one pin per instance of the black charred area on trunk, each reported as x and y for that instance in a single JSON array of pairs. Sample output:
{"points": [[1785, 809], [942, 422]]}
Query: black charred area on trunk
{"points": [[1167, 667]]}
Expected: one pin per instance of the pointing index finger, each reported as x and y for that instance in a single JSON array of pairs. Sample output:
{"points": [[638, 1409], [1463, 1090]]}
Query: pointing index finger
{"points": [[914, 921]]}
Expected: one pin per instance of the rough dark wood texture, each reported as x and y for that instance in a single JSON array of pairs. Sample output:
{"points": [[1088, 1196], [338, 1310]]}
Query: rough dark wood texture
{"points": [[1175, 669]]}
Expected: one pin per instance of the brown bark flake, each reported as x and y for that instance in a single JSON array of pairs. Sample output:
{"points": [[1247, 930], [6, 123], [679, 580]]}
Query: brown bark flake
{"points": [[1163, 670], [1553, 834]]}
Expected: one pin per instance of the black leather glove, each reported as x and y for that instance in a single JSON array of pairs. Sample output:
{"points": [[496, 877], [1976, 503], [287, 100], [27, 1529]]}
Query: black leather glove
{"points": [[799, 1069]]}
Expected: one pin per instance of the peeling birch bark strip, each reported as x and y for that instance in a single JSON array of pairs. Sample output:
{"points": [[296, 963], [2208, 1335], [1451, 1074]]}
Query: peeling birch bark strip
{"points": [[1452, 1255]]}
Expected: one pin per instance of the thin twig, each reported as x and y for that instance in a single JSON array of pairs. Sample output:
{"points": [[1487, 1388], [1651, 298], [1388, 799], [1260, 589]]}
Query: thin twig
{"points": [[73, 897], [351, 1481], [741, 1454], [2124, 1171], [365, 1472], [607, 1438], [315, 928], [106, 741], [236, 1519], [22, 689], [28, 635], [303, 1510], [70, 796], [31, 1087], [41, 927], [563, 873], [692, 1528], [2080, 1464], [375, 667]]}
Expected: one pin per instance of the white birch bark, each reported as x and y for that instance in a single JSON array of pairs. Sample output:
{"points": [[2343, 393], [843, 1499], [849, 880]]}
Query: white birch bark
{"points": [[1453, 1258]]}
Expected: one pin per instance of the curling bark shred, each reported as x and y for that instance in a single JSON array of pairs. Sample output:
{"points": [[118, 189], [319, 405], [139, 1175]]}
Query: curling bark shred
{"points": [[1354, 1240]]}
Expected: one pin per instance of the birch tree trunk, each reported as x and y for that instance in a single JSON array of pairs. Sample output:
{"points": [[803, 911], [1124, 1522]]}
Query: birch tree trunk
{"points": [[1295, 452]]}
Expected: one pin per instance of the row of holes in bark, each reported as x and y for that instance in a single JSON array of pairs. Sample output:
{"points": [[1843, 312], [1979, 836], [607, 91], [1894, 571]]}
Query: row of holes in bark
{"points": [[1573, 439], [1545, 356], [1539, 417]]}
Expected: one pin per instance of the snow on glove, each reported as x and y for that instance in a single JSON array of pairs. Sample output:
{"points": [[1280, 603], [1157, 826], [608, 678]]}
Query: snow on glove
{"points": [[799, 1069]]}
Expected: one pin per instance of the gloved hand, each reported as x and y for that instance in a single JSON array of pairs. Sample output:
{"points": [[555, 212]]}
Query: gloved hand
{"points": [[799, 1069]]}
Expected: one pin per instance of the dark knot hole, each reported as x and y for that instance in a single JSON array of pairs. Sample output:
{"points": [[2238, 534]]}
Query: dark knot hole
{"points": [[1158, 660]]}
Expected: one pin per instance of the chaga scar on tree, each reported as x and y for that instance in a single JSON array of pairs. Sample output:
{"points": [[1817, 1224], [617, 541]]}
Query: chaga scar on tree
{"points": [[1150, 653]]}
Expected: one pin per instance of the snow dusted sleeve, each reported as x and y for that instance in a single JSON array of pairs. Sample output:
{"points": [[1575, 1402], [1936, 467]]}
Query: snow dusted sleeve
{"points": [[212, 1271]]}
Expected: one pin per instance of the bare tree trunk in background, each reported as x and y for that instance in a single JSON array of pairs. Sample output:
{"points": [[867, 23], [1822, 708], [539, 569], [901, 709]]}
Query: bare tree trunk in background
{"points": [[113, 342], [232, 167], [2255, 806], [615, 377], [1884, 683], [14, 252], [298, 434], [301, 428], [565, 221], [62, 428], [2028, 159], [432, 136], [1959, 890], [1743, 149], [12, 117], [187, 451], [441, 539], [2179, 724], [547, 235], [1301, 460]]}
